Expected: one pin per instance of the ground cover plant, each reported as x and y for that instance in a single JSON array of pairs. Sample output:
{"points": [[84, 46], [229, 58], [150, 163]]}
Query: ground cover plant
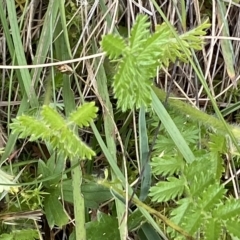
{"points": [[119, 120]]}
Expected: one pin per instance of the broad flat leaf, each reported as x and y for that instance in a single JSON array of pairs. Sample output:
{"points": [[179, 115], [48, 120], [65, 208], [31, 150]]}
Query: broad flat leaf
{"points": [[24, 234], [54, 210], [106, 227], [93, 193], [135, 220], [148, 232], [168, 190], [43, 170], [5, 178]]}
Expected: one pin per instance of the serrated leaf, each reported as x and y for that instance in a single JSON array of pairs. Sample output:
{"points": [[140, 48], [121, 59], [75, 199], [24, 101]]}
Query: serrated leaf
{"points": [[84, 114], [168, 190], [200, 182], [153, 49], [167, 165], [233, 227], [27, 126], [113, 45], [180, 211], [139, 32], [211, 196], [229, 209], [217, 164], [212, 229], [198, 166], [131, 86], [217, 143], [192, 220], [53, 118]]}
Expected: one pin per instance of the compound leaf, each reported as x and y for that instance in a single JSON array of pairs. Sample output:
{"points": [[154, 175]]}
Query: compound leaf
{"points": [[167, 165], [168, 190], [84, 114], [229, 209], [211, 196], [113, 45], [233, 226], [212, 229]]}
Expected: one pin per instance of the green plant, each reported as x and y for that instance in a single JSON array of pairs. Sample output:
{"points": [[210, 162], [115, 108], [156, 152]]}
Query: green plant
{"points": [[201, 206], [140, 57], [193, 174], [60, 133]]}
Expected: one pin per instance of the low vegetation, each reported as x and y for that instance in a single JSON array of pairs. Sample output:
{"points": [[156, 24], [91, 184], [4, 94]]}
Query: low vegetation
{"points": [[119, 120]]}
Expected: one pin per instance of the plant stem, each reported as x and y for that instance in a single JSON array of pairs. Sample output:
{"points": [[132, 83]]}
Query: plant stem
{"points": [[78, 200], [197, 115], [139, 203]]}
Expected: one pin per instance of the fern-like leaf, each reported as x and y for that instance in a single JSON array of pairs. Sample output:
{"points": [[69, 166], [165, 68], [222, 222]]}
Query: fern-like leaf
{"points": [[139, 33], [233, 227], [165, 191], [229, 209], [200, 182], [192, 36], [71, 146], [113, 45], [131, 87], [212, 229], [177, 214], [196, 168], [84, 114], [192, 220], [211, 196], [54, 129], [154, 48], [53, 118], [217, 164], [217, 143], [167, 165], [27, 126]]}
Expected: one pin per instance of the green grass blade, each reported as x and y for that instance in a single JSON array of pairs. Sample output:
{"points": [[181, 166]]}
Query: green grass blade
{"points": [[226, 45], [120, 176], [20, 55], [172, 129], [200, 76], [109, 129], [144, 152]]}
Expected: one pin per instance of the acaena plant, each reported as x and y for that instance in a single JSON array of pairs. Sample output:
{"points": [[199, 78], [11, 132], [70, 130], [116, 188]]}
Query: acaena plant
{"points": [[141, 55], [62, 135], [200, 202]]}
